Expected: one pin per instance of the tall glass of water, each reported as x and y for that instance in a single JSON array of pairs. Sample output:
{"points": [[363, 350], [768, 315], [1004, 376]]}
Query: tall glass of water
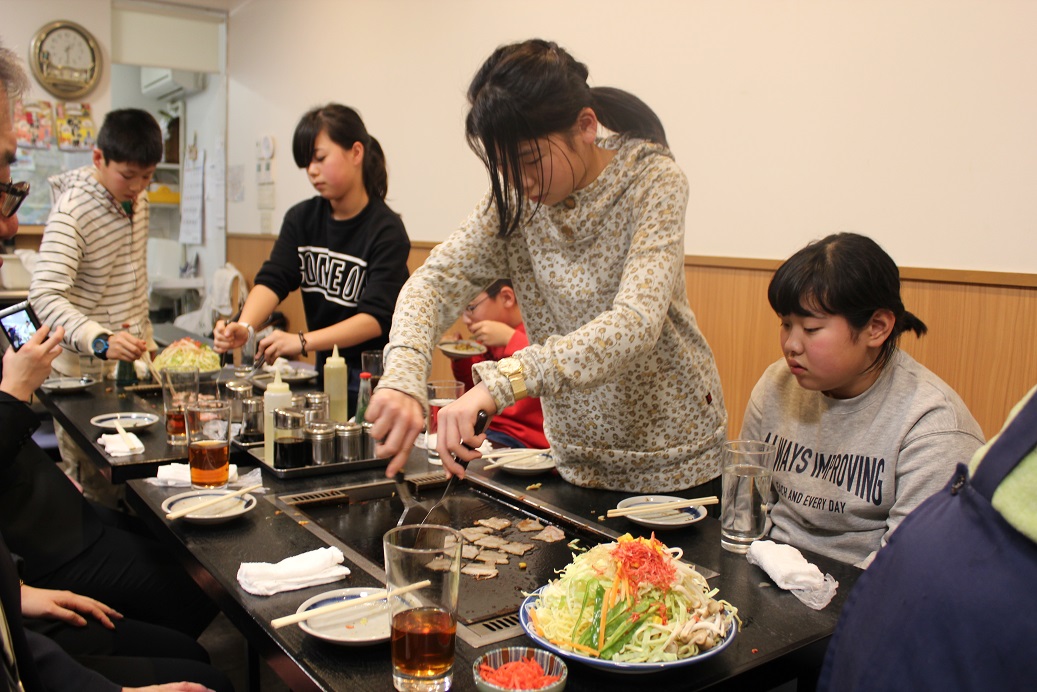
{"points": [[747, 469]]}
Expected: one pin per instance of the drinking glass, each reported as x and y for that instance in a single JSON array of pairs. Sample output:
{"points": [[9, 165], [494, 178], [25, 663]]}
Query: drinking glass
{"points": [[208, 443], [91, 366], [371, 361], [424, 621], [179, 388], [747, 468], [440, 393]]}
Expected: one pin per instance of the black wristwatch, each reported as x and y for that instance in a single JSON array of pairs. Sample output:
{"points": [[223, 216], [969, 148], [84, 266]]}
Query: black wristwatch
{"points": [[100, 347]]}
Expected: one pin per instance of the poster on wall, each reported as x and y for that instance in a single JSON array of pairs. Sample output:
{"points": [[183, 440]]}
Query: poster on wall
{"points": [[34, 124], [75, 126]]}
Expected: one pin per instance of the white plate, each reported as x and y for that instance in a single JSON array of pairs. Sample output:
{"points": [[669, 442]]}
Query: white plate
{"points": [[296, 375], [666, 519], [59, 385], [213, 514], [130, 420], [534, 466], [357, 626], [613, 666], [461, 349]]}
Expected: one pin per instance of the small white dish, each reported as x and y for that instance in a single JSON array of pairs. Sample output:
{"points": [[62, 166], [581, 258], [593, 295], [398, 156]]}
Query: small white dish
{"points": [[665, 519], [541, 463], [129, 420], [213, 514], [360, 625], [464, 348], [62, 385]]}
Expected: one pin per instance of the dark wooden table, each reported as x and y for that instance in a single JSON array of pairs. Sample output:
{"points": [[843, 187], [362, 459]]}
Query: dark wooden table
{"points": [[780, 640]]}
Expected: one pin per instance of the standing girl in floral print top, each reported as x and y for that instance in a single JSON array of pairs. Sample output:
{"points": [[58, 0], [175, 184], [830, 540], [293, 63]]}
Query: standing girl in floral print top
{"points": [[591, 233]]}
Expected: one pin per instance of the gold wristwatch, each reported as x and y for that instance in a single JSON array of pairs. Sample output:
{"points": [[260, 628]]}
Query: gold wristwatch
{"points": [[512, 369]]}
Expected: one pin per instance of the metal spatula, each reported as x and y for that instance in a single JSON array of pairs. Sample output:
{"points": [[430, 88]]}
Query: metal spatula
{"points": [[413, 511], [439, 514]]}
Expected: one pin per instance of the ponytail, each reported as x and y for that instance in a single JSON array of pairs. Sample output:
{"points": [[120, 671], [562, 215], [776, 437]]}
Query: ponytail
{"points": [[376, 179], [624, 113]]}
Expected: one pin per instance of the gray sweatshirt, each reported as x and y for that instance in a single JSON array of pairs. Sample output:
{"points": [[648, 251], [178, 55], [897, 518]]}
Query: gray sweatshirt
{"points": [[849, 470]]}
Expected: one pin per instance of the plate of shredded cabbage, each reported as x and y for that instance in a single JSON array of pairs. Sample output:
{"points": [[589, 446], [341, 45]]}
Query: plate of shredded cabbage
{"points": [[630, 607], [186, 353]]}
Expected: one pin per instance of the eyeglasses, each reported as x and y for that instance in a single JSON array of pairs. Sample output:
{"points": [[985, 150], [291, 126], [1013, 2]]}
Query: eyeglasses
{"points": [[11, 197], [470, 308]]}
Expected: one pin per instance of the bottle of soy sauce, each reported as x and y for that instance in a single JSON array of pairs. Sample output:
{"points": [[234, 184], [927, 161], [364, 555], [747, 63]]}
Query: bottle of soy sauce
{"points": [[125, 374]]}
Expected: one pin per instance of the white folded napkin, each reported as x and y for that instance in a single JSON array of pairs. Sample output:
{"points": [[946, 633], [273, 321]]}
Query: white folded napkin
{"points": [[179, 475], [316, 567], [791, 571], [115, 446]]}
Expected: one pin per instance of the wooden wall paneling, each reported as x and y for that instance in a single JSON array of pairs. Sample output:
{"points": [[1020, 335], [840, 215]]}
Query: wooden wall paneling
{"points": [[731, 308], [982, 326]]}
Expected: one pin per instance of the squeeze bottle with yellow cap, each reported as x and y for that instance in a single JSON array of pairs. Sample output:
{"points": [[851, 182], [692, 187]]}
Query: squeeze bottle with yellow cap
{"points": [[336, 386], [278, 395]]}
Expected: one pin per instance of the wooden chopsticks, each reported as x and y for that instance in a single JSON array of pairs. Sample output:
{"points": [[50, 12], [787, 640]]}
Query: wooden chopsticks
{"points": [[650, 508], [209, 503], [127, 440], [324, 610]]}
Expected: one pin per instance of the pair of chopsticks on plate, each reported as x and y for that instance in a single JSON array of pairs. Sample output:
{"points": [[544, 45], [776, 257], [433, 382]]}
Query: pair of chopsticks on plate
{"points": [[661, 507], [510, 456], [324, 610], [209, 503]]}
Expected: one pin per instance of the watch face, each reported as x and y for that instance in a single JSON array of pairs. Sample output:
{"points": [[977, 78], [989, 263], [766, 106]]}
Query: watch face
{"points": [[65, 59]]}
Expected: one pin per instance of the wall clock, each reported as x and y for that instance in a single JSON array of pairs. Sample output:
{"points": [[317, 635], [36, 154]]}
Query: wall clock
{"points": [[65, 59]]}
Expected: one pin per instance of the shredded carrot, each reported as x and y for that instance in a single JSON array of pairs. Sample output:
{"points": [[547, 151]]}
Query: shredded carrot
{"points": [[579, 648], [525, 674], [536, 622]]}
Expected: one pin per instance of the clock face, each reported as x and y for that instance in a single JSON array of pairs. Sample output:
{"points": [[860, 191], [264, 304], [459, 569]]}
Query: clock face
{"points": [[65, 59]]}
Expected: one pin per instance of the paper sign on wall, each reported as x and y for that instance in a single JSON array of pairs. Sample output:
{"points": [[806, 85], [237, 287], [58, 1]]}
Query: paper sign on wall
{"points": [[192, 195]]}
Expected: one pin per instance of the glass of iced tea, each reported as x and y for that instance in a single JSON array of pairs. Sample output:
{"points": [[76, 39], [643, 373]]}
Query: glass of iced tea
{"points": [[179, 388], [424, 620], [208, 443], [440, 393]]}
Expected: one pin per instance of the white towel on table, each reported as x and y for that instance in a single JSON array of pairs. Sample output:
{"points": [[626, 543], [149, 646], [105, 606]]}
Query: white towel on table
{"points": [[115, 446], [791, 571], [316, 567], [177, 475]]}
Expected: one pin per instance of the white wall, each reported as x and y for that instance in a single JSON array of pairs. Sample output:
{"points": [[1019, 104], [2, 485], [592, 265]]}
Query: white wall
{"points": [[914, 121]]}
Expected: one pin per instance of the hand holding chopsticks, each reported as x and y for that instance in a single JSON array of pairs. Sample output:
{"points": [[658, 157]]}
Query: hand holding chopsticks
{"points": [[650, 508], [209, 503], [324, 610]]}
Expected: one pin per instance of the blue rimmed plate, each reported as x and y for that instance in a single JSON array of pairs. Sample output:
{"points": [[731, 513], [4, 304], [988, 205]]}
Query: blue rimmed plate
{"points": [[361, 625], [613, 666], [663, 519], [129, 420]]}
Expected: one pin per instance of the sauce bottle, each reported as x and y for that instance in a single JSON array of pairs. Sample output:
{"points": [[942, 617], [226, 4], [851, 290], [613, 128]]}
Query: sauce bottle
{"points": [[125, 373], [336, 386], [278, 395], [364, 397]]}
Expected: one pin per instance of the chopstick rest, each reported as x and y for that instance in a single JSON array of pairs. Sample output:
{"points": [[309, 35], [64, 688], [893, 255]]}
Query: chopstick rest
{"points": [[209, 503], [649, 508], [334, 607]]}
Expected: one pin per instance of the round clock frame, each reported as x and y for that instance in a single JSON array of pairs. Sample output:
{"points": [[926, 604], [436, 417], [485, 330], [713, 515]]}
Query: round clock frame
{"points": [[64, 80]]}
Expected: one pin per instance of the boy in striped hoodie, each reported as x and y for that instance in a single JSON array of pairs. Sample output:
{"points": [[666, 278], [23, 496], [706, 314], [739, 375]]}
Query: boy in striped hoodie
{"points": [[92, 272]]}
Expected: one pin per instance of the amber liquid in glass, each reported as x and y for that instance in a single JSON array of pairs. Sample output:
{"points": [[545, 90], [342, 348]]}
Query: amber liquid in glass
{"points": [[423, 642], [210, 463], [176, 426]]}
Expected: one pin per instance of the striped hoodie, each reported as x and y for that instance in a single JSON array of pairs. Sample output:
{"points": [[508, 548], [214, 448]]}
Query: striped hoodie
{"points": [[92, 274]]}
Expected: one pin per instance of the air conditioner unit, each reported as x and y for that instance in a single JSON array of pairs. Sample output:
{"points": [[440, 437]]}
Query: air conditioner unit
{"points": [[163, 83]]}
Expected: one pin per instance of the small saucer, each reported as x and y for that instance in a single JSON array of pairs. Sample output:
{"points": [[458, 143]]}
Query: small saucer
{"points": [[213, 514], [357, 626], [129, 420], [665, 519]]}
